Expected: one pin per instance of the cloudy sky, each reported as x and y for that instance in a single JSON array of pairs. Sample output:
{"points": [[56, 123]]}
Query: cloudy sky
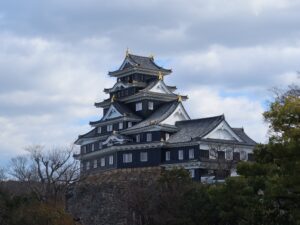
{"points": [[226, 55]]}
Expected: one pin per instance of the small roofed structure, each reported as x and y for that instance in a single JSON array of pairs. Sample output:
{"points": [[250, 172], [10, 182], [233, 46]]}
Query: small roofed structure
{"points": [[135, 63]]}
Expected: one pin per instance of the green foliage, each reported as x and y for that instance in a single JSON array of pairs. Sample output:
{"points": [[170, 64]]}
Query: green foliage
{"points": [[276, 172], [267, 192]]}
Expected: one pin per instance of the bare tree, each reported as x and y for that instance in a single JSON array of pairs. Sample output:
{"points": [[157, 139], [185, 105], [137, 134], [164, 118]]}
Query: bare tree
{"points": [[222, 164], [2, 174], [47, 172]]}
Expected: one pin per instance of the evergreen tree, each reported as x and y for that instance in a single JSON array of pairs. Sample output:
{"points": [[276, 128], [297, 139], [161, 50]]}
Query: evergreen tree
{"points": [[275, 176]]}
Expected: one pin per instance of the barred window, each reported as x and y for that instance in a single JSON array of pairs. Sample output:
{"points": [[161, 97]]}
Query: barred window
{"points": [[168, 155], [150, 105], [127, 158], [180, 154], [149, 137], [99, 130], [102, 162], [139, 106], [191, 153], [95, 163], [111, 160], [144, 156], [109, 127]]}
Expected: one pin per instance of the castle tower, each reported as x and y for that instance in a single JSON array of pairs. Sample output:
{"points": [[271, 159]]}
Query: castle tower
{"points": [[145, 124]]}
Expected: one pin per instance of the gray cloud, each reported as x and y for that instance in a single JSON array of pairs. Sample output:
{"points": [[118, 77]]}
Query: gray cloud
{"points": [[54, 58]]}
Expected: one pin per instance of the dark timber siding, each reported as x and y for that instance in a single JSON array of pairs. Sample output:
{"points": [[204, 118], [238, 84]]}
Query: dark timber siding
{"points": [[153, 158], [174, 154], [99, 167], [156, 136]]}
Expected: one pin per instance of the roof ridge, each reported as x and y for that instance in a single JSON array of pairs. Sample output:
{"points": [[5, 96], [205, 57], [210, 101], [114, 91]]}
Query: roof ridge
{"points": [[139, 56], [204, 118], [237, 128]]}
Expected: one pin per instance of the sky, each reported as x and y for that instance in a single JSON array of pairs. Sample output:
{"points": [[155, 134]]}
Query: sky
{"points": [[226, 55]]}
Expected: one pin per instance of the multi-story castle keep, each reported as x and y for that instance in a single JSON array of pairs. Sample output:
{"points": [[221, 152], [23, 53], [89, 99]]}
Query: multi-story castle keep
{"points": [[144, 124]]}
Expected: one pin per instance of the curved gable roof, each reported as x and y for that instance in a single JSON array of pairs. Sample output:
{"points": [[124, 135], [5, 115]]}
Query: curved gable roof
{"points": [[190, 129]]}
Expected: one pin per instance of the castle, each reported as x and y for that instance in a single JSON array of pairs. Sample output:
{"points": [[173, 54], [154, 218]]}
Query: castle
{"points": [[145, 124]]}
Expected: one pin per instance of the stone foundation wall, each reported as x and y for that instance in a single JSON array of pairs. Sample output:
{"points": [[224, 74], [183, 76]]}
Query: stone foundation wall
{"points": [[101, 198]]}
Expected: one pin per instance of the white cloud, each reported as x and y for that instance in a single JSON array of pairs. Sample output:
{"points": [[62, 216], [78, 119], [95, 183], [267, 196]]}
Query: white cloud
{"points": [[238, 111], [63, 83], [240, 68]]}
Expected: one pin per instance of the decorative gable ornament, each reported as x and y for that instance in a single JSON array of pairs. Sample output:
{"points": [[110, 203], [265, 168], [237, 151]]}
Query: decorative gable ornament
{"points": [[111, 113], [178, 114], [160, 87], [223, 132], [113, 140]]}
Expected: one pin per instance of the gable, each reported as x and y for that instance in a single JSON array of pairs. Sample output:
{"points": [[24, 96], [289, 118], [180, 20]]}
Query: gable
{"points": [[160, 87], [111, 113], [177, 115], [118, 86], [223, 132], [126, 64]]}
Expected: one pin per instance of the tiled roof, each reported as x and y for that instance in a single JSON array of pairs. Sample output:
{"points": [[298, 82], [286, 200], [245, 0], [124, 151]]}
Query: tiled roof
{"points": [[121, 108], [157, 116], [145, 62], [190, 129], [241, 133], [135, 84]]}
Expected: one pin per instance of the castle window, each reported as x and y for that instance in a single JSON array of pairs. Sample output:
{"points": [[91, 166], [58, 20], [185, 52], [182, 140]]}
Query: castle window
{"points": [[95, 163], [192, 173], [127, 158], [99, 130], [180, 154], [243, 155], [109, 127], [149, 137], [150, 105], [138, 138], [111, 160], [250, 157], [191, 153], [129, 124], [100, 145], [139, 106], [229, 154], [120, 125], [93, 147], [144, 156], [168, 155], [102, 162], [87, 165], [83, 149], [204, 154]]}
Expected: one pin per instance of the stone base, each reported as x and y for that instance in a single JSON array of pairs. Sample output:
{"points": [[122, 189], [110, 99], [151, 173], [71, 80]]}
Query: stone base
{"points": [[100, 198]]}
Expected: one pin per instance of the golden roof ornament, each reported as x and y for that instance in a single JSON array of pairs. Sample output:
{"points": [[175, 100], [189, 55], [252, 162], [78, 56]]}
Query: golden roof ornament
{"points": [[127, 52], [151, 57], [113, 98], [179, 98], [160, 75]]}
